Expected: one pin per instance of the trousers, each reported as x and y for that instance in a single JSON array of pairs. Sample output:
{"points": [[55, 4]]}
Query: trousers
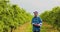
{"points": [[36, 31]]}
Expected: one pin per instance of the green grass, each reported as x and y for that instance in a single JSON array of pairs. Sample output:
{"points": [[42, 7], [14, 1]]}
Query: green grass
{"points": [[28, 28]]}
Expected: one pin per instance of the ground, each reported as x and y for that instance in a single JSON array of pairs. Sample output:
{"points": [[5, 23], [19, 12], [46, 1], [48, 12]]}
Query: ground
{"points": [[27, 27]]}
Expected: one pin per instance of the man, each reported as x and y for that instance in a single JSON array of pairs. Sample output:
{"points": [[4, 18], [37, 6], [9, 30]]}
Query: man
{"points": [[36, 22]]}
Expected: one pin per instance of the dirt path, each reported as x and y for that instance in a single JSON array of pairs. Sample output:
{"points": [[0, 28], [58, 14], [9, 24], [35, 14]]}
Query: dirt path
{"points": [[28, 28], [23, 28]]}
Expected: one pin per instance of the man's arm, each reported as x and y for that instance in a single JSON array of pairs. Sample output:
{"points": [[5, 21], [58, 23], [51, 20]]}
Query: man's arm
{"points": [[40, 22], [33, 22]]}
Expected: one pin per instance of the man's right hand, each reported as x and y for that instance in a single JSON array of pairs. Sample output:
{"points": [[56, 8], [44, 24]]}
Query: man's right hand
{"points": [[36, 25]]}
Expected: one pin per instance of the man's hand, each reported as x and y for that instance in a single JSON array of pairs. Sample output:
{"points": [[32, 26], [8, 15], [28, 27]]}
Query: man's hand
{"points": [[37, 24]]}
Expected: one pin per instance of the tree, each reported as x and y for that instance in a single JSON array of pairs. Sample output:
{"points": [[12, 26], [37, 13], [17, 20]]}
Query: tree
{"points": [[52, 17]]}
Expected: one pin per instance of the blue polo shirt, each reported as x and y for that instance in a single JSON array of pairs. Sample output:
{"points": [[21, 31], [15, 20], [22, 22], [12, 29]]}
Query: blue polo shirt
{"points": [[36, 20]]}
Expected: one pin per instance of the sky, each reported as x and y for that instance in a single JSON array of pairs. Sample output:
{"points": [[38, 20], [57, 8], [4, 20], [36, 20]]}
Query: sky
{"points": [[36, 5]]}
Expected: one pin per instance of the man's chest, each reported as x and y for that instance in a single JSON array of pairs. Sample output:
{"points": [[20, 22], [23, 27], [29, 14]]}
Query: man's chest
{"points": [[36, 20]]}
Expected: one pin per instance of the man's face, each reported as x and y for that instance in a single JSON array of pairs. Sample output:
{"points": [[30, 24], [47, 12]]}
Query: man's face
{"points": [[35, 14]]}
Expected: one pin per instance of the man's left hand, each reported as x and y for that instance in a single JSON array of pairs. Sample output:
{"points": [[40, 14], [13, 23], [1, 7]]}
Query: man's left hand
{"points": [[37, 24]]}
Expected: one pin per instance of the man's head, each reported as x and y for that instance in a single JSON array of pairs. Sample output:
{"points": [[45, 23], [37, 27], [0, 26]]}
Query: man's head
{"points": [[35, 13]]}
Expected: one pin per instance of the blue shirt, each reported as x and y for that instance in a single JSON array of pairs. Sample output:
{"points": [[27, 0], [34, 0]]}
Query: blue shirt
{"points": [[36, 20]]}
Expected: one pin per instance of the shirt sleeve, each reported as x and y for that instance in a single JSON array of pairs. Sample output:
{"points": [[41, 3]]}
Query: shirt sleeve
{"points": [[40, 21]]}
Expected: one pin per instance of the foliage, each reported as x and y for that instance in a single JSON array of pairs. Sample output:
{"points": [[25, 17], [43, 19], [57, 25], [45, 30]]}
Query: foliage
{"points": [[12, 16], [52, 17]]}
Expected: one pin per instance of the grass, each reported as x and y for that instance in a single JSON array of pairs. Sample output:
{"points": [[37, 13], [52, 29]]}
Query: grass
{"points": [[27, 27]]}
